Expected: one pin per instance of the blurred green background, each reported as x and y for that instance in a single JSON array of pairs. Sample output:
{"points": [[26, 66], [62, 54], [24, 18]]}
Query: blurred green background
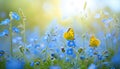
{"points": [[40, 13]]}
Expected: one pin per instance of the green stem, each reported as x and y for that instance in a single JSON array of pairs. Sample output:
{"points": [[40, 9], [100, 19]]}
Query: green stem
{"points": [[24, 25], [84, 42], [11, 48], [106, 44], [24, 36], [47, 48], [24, 31], [24, 28]]}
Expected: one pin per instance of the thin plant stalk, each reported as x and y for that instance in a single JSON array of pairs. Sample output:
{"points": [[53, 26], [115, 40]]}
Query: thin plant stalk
{"points": [[11, 48], [48, 41], [24, 28], [24, 25]]}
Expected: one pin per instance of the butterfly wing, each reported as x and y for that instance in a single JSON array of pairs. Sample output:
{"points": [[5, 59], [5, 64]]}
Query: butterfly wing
{"points": [[94, 41], [71, 33]]}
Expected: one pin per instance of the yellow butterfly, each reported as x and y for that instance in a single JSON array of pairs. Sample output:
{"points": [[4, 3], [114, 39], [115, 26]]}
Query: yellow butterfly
{"points": [[94, 42], [69, 35]]}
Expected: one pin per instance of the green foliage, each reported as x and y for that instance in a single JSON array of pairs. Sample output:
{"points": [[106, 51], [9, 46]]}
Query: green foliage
{"points": [[2, 63]]}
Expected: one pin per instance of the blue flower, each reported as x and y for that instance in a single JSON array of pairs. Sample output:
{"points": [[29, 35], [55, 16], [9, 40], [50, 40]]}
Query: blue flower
{"points": [[92, 66], [62, 56], [2, 53], [32, 64], [107, 21], [4, 33], [17, 39], [82, 57], [15, 64], [74, 55], [71, 43], [108, 35], [69, 51], [90, 52], [5, 22], [16, 30], [114, 41], [54, 67], [116, 58], [112, 67], [37, 46], [67, 59], [52, 55], [33, 39], [14, 15], [35, 52], [100, 57]]}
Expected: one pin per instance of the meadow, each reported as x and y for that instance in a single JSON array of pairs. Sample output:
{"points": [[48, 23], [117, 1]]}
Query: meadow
{"points": [[88, 40]]}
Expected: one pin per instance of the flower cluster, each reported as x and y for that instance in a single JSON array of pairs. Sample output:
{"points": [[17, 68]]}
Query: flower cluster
{"points": [[57, 49]]}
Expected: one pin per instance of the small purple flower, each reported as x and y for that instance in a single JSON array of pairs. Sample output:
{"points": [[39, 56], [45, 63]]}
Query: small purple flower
{"points": [[5, 22], [14, 15]]}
